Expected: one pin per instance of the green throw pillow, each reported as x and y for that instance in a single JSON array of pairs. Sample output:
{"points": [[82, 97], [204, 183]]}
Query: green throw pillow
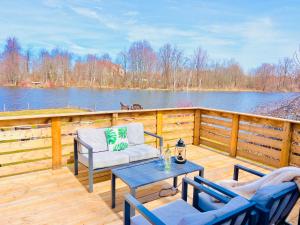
{"points": [[116, 138]]}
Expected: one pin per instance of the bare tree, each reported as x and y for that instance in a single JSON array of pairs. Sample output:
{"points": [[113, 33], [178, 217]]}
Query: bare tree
{"points": [[199, 63], [11, 60], [142, 67], [122, 60], [171, 61], [142, 61]]}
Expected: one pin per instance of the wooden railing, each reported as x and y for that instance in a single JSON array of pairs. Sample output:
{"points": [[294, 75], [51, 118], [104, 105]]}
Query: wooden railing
{"points": [[41, 142]]}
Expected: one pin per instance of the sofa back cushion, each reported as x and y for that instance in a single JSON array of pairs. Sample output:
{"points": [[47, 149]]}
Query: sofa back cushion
{"points": [[95, 137], [135, 133]]}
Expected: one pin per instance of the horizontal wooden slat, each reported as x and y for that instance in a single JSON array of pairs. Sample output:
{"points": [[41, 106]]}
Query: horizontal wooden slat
{"points": [[24, 134], [260, 140], [259, 150], [214, 145], [28, 167], [133, 114], [172, 142], [296, 137], [126, 121], [260, 130], [216, 113], [30, 144], [29, 156], [295, 148], [175, 112], [214, 137], [215, 121], [295, 160], [257, 158], [297, 127], [275, 123], [215, 130], [175, 127], [178, 119], [178, 134]]}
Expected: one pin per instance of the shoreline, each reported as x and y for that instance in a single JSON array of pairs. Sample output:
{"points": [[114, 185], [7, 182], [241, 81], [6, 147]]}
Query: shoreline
{"points": [[153, 89]]}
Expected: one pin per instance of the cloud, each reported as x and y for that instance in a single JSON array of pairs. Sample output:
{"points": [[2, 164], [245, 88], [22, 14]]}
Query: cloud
{"points": [[105, 20]]}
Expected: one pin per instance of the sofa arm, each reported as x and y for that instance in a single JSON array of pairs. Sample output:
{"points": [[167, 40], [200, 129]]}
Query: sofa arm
{"points": [[238, 167], [130, 201], [161, 140], [78, 141]]}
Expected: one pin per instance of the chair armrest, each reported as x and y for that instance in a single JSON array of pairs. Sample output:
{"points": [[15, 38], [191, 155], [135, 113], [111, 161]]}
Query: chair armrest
{"points": [[215, 186], [239, 167], [161, 140], [86, 145], [130, 201], [199, 187]]}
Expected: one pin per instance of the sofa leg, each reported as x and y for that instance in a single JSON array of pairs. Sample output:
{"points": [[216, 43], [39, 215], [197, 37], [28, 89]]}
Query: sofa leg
{"points": [[76, 167], [91, 180], [75, 157]]}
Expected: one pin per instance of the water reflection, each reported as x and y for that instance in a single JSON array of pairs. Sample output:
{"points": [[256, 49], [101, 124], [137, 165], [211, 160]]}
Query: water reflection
{"points": [[19, 98]]}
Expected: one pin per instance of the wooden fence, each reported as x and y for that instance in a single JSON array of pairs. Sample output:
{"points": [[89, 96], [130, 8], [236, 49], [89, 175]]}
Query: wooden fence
{"points": [[41, 142]]}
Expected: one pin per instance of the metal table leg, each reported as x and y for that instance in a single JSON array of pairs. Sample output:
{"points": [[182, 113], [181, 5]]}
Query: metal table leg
{"points": [[133, 193], [201, 173], [175, 182], [113, 191]]}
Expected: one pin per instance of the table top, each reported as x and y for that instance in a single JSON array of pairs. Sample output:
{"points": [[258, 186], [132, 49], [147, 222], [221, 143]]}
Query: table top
{"points": [[149, 172]]}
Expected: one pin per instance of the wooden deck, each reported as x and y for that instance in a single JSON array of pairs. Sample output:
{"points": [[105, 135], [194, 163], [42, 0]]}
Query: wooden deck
{"points": [[58, 197]]}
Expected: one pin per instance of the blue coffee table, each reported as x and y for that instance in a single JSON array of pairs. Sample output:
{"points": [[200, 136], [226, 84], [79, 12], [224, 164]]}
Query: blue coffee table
{"points": [[142, 174]]}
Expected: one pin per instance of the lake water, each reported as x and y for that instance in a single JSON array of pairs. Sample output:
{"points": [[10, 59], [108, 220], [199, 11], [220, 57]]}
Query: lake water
{"points": [[99, 99]]}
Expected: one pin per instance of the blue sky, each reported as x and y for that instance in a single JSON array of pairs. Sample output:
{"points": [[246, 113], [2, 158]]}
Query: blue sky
{"points": [[252, 32]]}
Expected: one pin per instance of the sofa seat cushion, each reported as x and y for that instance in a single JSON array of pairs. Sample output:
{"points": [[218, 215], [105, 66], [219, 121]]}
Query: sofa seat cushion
{"points": [[206, 202], [141, 152], [95, 137], [104, 159], [170, 214]]}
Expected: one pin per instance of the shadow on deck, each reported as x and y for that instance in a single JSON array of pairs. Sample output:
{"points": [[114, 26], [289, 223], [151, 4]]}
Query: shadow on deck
{"points": [[58, 197]]}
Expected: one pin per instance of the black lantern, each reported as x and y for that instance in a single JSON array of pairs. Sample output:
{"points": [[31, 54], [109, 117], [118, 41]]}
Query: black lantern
{"points": [[180, 152]]}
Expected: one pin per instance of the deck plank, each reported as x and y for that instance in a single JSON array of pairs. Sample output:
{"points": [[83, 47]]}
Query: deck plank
{"points": [[58, 197]]}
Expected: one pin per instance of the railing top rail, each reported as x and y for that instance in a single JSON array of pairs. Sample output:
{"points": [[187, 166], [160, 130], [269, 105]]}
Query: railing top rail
{"points": [[45, 116]]}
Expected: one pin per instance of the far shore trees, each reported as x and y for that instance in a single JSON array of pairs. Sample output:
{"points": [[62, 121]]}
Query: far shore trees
{"points": [[140, 66]]}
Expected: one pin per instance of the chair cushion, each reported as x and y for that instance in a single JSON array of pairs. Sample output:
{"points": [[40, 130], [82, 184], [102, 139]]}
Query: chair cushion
{"points": [[170, 214], [141, 152], [206, 203], [95, 137], [116, 138], [135, 133], [203, 218], [263, 196], [104, 159]]}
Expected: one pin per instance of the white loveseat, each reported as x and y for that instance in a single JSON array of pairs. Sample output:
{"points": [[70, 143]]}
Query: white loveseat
{"points": [[90, 149]]}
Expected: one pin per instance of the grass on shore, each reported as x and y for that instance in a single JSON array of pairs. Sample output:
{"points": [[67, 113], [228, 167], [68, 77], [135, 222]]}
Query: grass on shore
{"points": [[41, 112]]}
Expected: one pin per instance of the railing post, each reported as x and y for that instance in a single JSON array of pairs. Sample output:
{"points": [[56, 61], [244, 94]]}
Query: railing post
{"points": [[197, 121], [56, 143], [159, 124], [286, 144], [114, 119], [234, 135]]}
